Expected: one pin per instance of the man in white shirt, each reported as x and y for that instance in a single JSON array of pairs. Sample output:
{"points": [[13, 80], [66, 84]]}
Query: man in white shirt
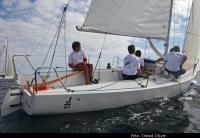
{"points": [[131, 65], [78, 60], [174, 61]]}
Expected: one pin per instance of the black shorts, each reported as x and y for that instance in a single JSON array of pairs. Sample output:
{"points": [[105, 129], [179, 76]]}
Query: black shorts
{"points": [[129, 77], [176, 74]]}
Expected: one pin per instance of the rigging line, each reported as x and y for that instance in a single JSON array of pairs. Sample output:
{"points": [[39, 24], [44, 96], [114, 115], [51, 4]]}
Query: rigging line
{"points": [[30, 63], [65, 45], [174, 24], [57, 34], [98, 89], [105, 89], [59, 30], [145, 48], [39, 43], [51, 63], [187, 19], [178, 21], [65, 41], [99, 56], [34, 71], [60, 79], [50, 46]]}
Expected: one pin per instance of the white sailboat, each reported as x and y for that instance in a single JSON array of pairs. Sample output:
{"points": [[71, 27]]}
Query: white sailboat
{"points": [[6, 66], [6, 71], [138, 18]]}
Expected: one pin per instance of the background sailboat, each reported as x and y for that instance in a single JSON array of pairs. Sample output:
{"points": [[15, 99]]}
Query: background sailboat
{"points": [[6, 66], [7, 80]]}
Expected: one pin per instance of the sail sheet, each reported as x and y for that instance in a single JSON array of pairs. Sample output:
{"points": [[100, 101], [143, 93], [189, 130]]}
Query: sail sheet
{"points": [[137, 18], [192, 40]]}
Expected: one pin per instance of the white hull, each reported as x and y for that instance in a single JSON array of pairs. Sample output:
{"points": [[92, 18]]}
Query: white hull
{"points": [[117, 95], [97, 96], [82, 102]]}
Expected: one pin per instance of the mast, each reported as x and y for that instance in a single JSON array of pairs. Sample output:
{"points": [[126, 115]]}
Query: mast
{"points": [[169, 28], [6, 58]]}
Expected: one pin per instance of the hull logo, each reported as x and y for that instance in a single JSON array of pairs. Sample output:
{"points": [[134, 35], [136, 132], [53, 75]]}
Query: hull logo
{"points": [[67, 104]]}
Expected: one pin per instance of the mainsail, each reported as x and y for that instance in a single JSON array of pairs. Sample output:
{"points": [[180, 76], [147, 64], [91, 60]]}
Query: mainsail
{"points": [[136, 18], [192, 40]]}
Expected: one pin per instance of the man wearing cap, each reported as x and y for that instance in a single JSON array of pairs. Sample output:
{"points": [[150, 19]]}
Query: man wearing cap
{"points": [[131, 66], [174, 62]]}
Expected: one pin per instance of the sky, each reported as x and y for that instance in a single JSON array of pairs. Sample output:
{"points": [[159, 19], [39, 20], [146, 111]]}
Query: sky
{"points": [[30, 25]]}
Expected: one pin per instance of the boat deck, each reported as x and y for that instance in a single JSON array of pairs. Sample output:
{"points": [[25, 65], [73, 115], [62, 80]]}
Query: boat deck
{"points": [[111, 80], [158, 80]]}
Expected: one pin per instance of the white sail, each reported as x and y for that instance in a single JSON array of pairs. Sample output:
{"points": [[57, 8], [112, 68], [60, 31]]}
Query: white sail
{"points": [[3, 60], [10, 68], [6, 66], [192, 40], [137, 18]]}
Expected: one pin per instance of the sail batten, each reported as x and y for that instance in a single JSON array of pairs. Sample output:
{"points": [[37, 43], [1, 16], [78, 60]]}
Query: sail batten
{"points": [[137, 18]]}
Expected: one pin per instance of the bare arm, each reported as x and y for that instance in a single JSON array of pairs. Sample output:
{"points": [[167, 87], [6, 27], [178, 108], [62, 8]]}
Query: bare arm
{"points": [[139, 72], [84, 58], [142, 69]]}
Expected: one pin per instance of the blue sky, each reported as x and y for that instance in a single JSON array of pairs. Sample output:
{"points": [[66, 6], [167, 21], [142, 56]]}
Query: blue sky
{"points": [[29, 26]]}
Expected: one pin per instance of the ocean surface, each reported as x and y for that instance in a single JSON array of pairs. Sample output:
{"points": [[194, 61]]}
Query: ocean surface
{"points": [[179, 114]]}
